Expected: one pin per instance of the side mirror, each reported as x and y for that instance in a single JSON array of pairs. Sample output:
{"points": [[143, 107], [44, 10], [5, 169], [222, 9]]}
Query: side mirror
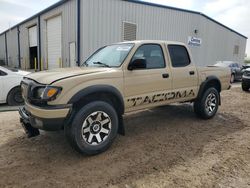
{"points": [[137, 64]]}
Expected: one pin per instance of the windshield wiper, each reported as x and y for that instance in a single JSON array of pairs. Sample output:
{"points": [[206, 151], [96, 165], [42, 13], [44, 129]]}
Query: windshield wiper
{"points": [[100, 63]]}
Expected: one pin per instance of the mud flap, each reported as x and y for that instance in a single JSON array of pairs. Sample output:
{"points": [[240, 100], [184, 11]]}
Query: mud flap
{"points": [[29, 130], [121, 129]]}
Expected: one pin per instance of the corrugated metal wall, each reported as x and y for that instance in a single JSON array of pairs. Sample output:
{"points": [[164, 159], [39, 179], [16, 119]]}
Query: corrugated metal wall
{"points": [[102, 24], [68, 13], [24, 42], [2, 47], [218, 43], [12, 46]]}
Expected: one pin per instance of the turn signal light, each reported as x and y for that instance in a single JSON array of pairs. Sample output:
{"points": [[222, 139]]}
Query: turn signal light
{"points": [[51, 92]]}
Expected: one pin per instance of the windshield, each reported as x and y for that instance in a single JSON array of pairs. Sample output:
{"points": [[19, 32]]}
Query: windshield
{"points": [[109, 56]]}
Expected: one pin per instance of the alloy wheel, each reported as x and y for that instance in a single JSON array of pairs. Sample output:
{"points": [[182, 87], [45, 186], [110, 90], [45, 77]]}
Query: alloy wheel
{"points": [[96, 128], [211, 103]]}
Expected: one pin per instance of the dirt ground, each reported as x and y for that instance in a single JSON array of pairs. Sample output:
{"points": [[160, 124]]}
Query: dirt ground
{"points": [[163, 147]]}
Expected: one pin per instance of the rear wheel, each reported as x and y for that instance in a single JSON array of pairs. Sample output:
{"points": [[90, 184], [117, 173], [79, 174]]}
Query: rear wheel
{"points": [[15, 97], [94, 128], [207, 106]]}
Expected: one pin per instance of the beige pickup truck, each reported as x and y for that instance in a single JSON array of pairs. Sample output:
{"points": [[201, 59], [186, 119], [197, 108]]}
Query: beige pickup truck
{"points": [[88, 102]]}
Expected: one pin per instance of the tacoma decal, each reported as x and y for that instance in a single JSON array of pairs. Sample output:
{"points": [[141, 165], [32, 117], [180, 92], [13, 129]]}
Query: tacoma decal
{"points": [[160, 97]]}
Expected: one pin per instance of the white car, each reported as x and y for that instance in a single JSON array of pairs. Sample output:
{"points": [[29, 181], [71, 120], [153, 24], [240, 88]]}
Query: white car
{"points": [[10, 91]]}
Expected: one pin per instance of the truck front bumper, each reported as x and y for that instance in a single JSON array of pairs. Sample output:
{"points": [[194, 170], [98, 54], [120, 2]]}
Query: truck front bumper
{"points": [[47, 118]]}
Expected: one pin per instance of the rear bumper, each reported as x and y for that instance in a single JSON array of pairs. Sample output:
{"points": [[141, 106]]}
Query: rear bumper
{"points": [[37, 117]]}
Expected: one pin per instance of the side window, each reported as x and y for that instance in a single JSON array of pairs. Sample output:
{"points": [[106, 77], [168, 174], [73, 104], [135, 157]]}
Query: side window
{"points": [[153, 55], [2, 73], [179, 55]]}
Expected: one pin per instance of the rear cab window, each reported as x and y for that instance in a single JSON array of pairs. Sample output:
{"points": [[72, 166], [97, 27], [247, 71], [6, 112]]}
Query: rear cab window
{"points": [[179, 55]]}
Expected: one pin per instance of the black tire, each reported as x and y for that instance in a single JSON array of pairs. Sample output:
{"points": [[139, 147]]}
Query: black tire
{"points": [[15, 97], [202, 109], [84, 142], [244, 86], [232, 79]]}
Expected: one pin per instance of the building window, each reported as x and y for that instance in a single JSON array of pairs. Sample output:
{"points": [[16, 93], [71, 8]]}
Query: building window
{"points": [[129, 31], [236, 49]]}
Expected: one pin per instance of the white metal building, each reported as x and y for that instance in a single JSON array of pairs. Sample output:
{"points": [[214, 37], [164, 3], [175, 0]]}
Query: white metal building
{"points": [[66, 33]]}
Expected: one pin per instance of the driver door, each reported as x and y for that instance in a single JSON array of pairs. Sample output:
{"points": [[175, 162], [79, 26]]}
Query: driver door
{"points": [[146, 87]]}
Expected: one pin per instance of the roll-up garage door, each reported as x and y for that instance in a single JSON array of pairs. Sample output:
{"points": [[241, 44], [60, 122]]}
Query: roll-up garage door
{"points": [[33, 36], [54, 42]]}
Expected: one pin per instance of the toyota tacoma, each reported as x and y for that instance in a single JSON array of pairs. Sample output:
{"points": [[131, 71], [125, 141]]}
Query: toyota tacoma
{"points": [[88, 102]]}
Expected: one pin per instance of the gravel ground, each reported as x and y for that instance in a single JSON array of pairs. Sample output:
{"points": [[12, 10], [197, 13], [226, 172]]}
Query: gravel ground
{"points": [[163, 147]]}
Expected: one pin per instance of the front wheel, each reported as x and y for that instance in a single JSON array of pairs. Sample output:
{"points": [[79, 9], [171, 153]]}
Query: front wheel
{"points": [[94, 128], [207, 106], [15, 97]]}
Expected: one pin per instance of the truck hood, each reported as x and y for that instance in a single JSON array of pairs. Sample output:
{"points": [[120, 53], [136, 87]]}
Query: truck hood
{"points": [[51, 76]]}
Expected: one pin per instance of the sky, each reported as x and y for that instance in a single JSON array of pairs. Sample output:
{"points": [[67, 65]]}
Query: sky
{"points": [[232, 13], [15, 11]]}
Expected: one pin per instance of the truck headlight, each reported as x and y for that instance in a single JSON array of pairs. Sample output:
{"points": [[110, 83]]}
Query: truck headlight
{"points": [[47, 93]]}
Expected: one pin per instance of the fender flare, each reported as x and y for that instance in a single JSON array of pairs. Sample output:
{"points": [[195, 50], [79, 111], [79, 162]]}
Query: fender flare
{"points": [[98, 89], [107, 89], [205, 83]]}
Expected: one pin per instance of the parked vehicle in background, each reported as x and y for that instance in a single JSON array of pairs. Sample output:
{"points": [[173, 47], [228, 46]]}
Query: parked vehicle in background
{"points": [[246, 80], [10, 90], [236, 69], [244, 67], [88, 102]]}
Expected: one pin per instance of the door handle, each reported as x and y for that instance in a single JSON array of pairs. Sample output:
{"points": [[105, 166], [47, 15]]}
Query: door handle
{"points": [[191, 72], [166, 75]]}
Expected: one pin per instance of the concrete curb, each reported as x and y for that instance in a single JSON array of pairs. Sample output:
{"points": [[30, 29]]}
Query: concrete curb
{"points": [[5, 108]]}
